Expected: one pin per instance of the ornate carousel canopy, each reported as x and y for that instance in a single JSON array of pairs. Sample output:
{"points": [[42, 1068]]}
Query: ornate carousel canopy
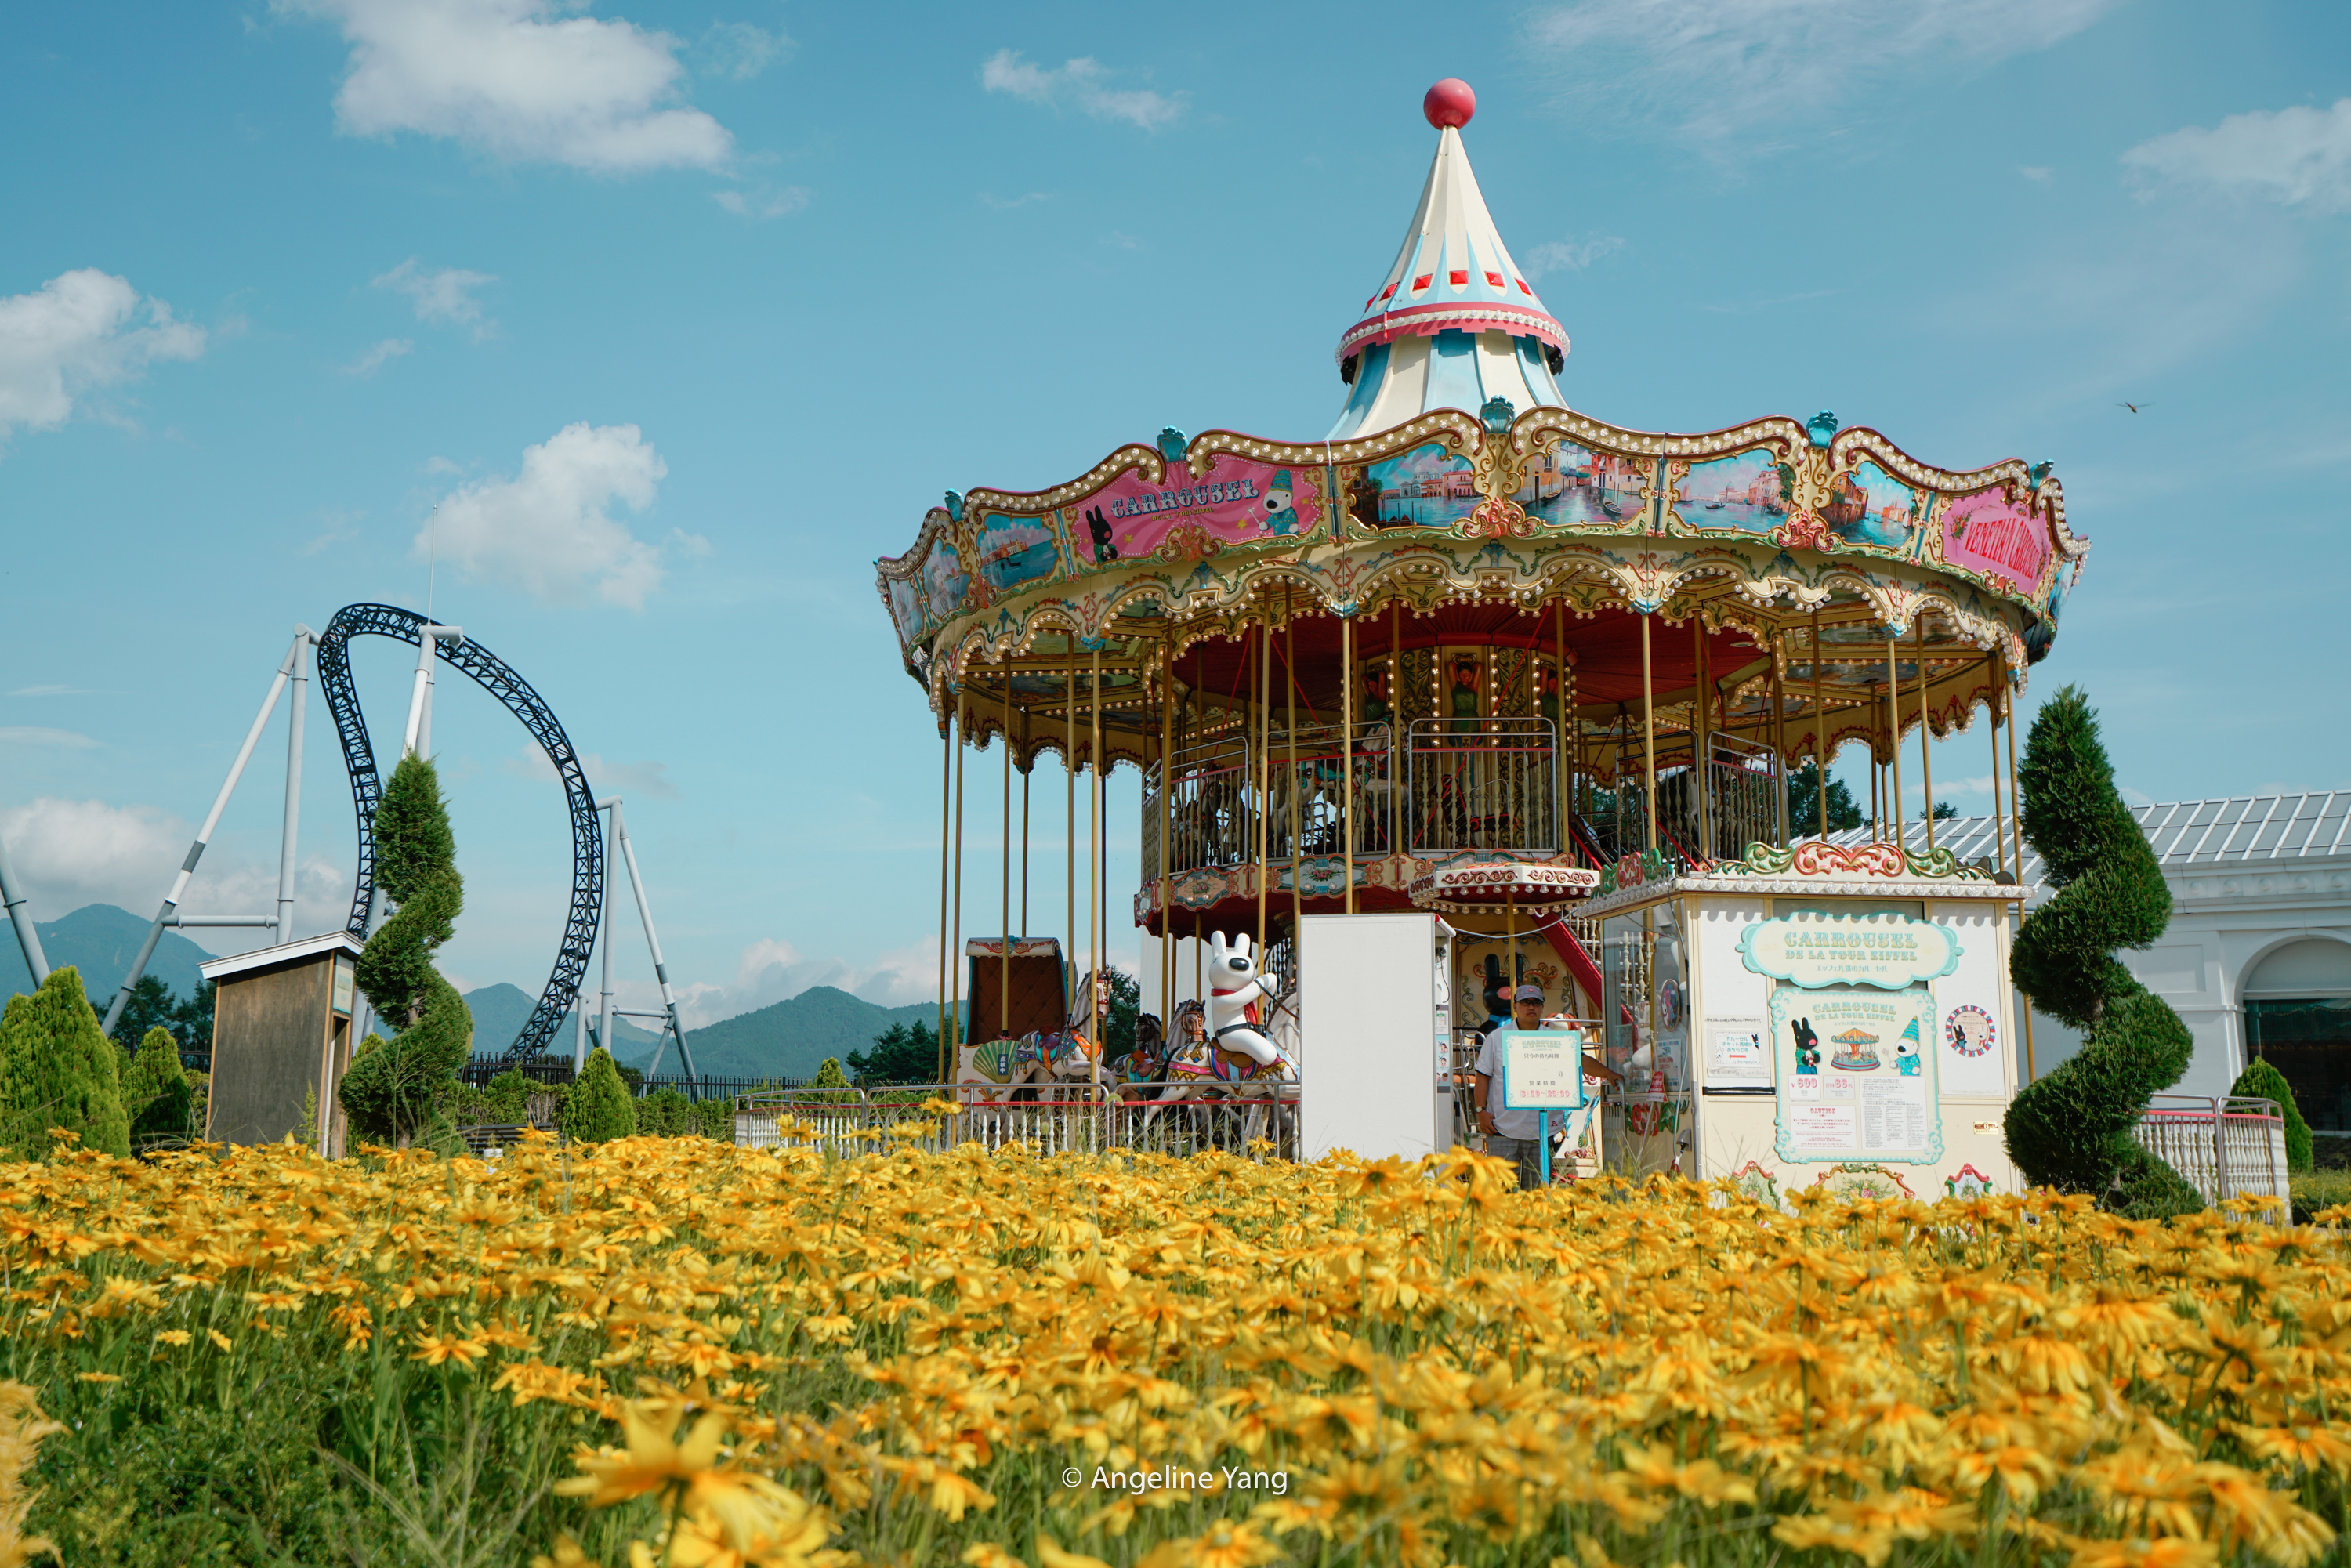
{"points": [[1462, 535]]}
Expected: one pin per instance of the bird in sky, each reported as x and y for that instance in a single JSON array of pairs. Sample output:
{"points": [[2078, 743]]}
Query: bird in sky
{"points": [[2134, 407]]}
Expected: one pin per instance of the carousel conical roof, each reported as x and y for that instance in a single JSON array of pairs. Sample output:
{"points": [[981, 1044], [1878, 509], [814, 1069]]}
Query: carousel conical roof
{"points": [[1455, 322]]}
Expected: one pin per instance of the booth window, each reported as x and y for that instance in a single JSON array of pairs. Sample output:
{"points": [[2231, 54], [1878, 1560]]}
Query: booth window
{"points": [[2297, 1005]]}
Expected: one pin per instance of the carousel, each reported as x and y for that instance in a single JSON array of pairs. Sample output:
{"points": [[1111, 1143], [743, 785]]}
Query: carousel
{"points": [[1474, 653]]}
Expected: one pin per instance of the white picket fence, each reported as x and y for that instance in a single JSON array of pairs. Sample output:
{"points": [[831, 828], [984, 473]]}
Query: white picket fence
{"points": [[2232, 1147], [1070, 1118]]}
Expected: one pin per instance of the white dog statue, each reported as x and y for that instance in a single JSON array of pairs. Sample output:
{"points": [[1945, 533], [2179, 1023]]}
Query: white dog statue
{"points": [[1234, 986]]}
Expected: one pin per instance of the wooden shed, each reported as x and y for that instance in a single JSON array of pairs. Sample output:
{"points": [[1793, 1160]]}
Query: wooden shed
{"points": [[1036, 1001], [281, 1040]]}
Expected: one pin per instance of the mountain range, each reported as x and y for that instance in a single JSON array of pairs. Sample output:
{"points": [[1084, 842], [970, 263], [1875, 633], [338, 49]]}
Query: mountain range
{"points": [[100, 940], [786, 1040]]}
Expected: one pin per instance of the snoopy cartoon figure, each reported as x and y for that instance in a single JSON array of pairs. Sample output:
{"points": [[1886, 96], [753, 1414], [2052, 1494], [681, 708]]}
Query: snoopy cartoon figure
{"points": [[1235, 984]]}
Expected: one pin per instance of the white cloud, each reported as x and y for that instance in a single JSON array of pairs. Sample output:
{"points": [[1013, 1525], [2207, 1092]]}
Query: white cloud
{"points": [[772, 970], [36, 734], [367, 364], [1082, 84], [2036, 172], [443, 298], [75, 853], [49, 692], [1569, 255], [77, 332], [550, 530], [2294, 156], [335, 526], [1008, 203], [762, 203], [1722, 67], [740, 51], [521, 80], [646, 780]]}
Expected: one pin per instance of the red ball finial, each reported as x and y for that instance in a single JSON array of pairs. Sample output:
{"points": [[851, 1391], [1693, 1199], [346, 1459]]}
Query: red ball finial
{"points": [[1450, 102]]}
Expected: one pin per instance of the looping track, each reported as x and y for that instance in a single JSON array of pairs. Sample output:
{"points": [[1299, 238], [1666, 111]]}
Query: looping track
{"points": [[492, 673]]}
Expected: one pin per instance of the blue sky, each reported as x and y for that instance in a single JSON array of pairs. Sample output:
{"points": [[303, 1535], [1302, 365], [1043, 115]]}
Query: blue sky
{"points": [[683, 314]]}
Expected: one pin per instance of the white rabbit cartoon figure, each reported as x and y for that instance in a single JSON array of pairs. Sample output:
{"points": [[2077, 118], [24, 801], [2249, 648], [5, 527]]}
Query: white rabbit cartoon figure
{"points": [[1234, 986]]}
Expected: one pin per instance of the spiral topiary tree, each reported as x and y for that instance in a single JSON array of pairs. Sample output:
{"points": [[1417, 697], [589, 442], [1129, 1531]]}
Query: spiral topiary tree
{"points": [[393, 1085], [2072, 1128]]}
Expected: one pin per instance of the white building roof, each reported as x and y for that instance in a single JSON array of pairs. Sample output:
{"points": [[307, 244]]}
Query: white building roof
{"points": [[1453, 322], [263, 958], [2255, 830]]}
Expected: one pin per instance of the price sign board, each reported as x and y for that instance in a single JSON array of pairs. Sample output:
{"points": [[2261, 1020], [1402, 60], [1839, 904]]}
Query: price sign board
{"points": [[1542, 1068]]}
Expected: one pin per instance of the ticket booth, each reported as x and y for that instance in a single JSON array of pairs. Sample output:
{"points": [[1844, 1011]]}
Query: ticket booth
{"points": [[1819, 1016], [281, 1041]]}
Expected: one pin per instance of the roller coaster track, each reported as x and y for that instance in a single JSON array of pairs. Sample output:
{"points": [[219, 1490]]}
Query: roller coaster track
{"points": [[493, 676]]}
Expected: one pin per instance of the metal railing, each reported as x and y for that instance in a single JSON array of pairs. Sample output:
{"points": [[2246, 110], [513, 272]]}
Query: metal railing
{"points": [[1480, 784], [1741, 805], [1219, 803], [1074, 1118], [2232, 1147]]}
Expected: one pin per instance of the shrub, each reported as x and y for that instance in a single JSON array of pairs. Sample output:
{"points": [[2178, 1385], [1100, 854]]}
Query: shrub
{"points": [[665, 1113], [58, 1069], [829, 1075], [2261, 1078], [599, 1109], [2071, 1129], [2315, 1190], [394, 1086], [156, 1094]]}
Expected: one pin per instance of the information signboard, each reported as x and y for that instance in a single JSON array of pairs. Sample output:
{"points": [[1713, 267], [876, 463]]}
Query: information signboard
{"points": [[1542, 1068]]}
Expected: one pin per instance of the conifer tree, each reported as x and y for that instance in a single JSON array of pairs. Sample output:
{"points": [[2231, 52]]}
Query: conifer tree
{"points": [[599, 1107], [156, 1094], [2070, 1129], [394, 1086], [58, 1069], [2261, 1078]]}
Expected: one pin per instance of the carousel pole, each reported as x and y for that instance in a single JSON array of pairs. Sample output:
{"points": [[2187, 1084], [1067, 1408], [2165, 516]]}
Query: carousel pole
{"points": [[1069, 839], [1264, 744], [1094, 869], [1820, 735], [946, 804], [1992, 713], [2016, 821], [1894, 746], [1028, 744], [958, 1024], [1290, 679], [1347, 751], [1395, 726], [1004, 913], [1563, 763], [1649, 730], [1779, 723], [1167, 784], [1701, 741], [1926, 731]]}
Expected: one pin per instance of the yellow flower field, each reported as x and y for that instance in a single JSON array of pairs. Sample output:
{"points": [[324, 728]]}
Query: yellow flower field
{"points": [[672, 1350]]}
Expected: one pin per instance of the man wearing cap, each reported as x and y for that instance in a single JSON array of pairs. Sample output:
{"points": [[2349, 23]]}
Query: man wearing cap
{"points": [[1515, 1134]]}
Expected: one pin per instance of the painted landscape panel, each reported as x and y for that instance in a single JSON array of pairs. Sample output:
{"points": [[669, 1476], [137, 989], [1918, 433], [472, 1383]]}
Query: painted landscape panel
{"points": [[1741, 491], [945, 582], [1570, 485], [1426, 487], [1012, 550], [1870, 507]]}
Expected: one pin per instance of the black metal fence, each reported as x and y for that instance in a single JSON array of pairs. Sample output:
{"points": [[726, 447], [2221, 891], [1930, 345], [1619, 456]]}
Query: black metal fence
{"points": [[552, 1070]]}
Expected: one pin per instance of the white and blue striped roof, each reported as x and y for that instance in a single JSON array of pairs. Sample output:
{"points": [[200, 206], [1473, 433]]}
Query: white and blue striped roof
{"points": [[1454, 322]]}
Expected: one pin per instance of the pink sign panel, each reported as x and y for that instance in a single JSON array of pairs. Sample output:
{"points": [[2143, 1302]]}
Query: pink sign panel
{"points": [[1236, 502], [1986, 532]]}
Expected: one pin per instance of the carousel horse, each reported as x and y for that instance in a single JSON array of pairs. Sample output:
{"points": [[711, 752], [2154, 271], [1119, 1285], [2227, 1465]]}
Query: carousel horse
{"points": [[991, 1072]]}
